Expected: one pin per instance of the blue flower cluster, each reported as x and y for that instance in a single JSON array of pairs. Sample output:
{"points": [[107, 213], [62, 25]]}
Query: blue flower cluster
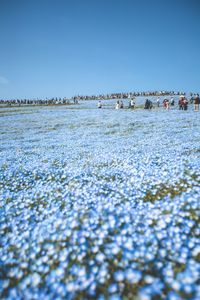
{"points": [[99, 205]]}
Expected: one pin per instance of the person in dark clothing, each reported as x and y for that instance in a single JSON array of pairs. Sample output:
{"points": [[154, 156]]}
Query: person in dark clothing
{"points": [[196, 103], [172, 101], [148, 104]]}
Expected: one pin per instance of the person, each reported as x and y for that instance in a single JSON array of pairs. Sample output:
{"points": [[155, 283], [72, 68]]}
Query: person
{"points": [[121, 104], [158, 102], [117, 106], [148, 104], [132, 103], [196, 103], [180, 103], [172, 101], [167, 104], [99, 104], [185, 103]]}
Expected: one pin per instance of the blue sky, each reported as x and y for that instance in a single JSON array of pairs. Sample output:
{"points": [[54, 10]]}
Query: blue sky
{"points": [[62, 48]]}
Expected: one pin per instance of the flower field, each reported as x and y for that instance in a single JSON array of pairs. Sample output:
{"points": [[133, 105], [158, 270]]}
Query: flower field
{"points": [[99, 204]]}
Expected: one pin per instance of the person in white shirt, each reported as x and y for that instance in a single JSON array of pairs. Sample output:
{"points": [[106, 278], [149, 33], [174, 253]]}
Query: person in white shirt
{"points": [[99, 104]]}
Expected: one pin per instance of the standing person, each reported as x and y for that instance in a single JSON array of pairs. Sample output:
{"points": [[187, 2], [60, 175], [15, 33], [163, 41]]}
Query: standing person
{"points": [[167, 104], [150, 104], [180, 103], [146, 105], [121, 104], [196, 103], [158, 102], [185, 103], [99, 104], [117, 106], [172, 101], [132, 103]]}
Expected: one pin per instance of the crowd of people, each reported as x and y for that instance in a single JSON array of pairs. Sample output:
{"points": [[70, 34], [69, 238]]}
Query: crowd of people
{"points": [[183, 103], [168, 101], [127, 95], [46, 101], [76, 99]]}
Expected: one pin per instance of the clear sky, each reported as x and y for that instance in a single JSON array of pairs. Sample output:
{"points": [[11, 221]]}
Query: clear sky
{"points": [[63, 48]]}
